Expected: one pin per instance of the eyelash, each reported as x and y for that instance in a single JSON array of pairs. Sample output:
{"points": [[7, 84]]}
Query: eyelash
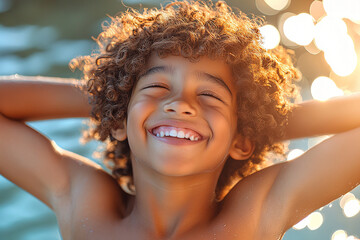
{"points": [[155, 86], [210, 94]]}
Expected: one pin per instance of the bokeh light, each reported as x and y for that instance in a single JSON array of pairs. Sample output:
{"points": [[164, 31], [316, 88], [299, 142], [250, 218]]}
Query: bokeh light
{"points": [[323, 88], [328, 31], [351, 208], [336, 8], [312, 48], [284, 40], [325, 29], [278, 4], [349, 9], [342, 58], [315, 220], [317, 10], [300, 28], [294, 153], [348, 196], [271, 36], [302, 224], [339, 235], [265, 8]]}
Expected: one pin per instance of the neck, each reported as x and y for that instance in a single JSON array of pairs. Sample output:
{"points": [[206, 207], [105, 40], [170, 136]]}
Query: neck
{"points": [[169, 206]]}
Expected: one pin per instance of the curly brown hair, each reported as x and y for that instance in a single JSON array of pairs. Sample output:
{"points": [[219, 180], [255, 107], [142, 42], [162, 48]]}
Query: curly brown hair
{"points": [[190, 29]]}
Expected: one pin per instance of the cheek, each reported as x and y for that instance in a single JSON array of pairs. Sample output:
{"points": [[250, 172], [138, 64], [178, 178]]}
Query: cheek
{"points": [[138, 112], [223, 129], [223, 123]]}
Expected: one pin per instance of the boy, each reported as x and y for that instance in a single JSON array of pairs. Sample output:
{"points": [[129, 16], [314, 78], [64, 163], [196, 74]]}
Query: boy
{"points": [[188, 103]]}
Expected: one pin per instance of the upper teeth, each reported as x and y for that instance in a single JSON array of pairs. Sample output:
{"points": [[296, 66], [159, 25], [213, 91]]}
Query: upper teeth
{"points": [[176, 133]]}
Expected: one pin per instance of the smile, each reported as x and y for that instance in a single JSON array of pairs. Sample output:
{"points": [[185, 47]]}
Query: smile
{"points": [[174, 132]]}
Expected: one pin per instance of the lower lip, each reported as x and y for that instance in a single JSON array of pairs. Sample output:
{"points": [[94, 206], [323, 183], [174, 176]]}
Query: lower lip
{"points": [[174, 140]]}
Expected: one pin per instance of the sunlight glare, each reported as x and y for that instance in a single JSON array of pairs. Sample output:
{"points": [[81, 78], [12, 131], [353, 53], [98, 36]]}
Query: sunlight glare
{"points": [[271, 36], [294, 154], [328, 31], [354, 11], [300, 28], [347, 197], [351, 208], [278, 4], [342, 58], [283, 17], [339, 235], [336, 8], [263, 7], [302, 224], [324, 88], [343, 9], [315, 220]]}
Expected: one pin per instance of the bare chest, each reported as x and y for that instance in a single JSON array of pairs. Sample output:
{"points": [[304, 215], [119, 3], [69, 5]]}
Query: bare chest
{"points": [[115, 230]]}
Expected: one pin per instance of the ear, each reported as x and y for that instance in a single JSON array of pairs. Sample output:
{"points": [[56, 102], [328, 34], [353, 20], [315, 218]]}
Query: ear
{"points": [[242, 148], [120, 133]]}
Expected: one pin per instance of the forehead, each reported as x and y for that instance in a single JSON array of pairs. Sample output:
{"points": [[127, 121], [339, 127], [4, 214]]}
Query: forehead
{"points": [[217, 68]]}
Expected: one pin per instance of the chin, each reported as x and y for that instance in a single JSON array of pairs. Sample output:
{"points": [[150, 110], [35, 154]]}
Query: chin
{"points": [[181, 168], [174, 168]]}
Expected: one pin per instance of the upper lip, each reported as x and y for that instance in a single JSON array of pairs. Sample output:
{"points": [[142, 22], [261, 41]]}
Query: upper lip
{"points": [[180, 124]]}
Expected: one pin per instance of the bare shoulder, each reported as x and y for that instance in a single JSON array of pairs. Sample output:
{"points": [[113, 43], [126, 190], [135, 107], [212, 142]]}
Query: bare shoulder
{"points": [[93, 196], [247, 205], [274, 199], [72, 185]]}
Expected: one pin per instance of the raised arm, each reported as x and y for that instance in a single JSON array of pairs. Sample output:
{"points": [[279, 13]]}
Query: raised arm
{"points": [[312, 118], [27, 158], [324, 172], [36, 98], [289, 191]]}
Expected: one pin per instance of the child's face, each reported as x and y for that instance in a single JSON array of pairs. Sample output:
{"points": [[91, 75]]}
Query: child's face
{"points": [[190, 100]]}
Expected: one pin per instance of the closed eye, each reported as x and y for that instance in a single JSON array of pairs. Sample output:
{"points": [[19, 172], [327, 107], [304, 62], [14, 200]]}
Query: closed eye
{"points": [[156, 85], [210, 94]]}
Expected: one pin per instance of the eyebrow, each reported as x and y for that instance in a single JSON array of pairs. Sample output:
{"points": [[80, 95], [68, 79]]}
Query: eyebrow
{"points": [[203, 75], [214, 79]]}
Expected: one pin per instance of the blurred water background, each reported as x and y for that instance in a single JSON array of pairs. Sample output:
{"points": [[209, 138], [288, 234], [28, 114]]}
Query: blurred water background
{"points": [[40, 37]]}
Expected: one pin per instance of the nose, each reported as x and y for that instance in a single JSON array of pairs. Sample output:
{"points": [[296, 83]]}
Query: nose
{"points": [[180, 107]]}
